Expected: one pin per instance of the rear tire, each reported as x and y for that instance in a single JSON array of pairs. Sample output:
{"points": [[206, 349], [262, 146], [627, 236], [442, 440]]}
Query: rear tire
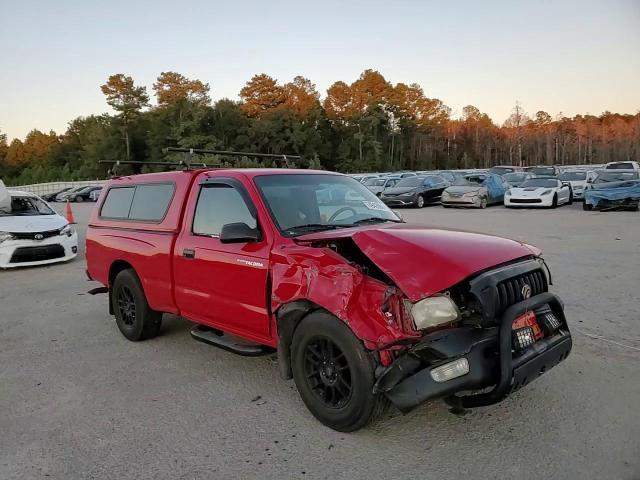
{"points": [[79, 199], [419, 201], [334, 373], [587, 206], [570, 202], [135, 319]]}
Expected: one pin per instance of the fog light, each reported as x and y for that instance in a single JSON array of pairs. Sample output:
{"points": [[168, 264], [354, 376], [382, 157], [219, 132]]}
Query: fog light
{"points": [[523, 338], [74, 249], [549, 321], [450, 370]]}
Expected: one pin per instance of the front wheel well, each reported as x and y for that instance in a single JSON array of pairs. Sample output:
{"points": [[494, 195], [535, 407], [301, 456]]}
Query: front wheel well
{"points": [[288, 317]]}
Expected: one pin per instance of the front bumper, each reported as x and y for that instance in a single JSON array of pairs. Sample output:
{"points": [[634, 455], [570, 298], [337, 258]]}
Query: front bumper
{"points": [[493, 365], [399, 201], [27, 253], [450, 201], [528, 202]]}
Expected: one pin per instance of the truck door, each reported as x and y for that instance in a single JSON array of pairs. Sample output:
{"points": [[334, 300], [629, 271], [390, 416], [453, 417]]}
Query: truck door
{"points": [[222, 284]]}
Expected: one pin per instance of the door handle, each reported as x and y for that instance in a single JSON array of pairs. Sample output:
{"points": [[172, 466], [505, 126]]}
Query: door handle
{"points": [[189, 253]]}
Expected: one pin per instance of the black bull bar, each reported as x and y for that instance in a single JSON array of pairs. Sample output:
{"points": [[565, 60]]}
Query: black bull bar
{"points": [[407, 382]]}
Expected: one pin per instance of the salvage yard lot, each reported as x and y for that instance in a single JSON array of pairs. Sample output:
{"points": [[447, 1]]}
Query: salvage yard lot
{"points": [[77, 400]]}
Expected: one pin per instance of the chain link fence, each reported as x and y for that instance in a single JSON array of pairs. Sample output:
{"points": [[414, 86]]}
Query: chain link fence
{"points": [[53, 187]]}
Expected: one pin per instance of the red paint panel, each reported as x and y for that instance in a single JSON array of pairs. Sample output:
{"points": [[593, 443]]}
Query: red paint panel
{"points": [[424, 261]]}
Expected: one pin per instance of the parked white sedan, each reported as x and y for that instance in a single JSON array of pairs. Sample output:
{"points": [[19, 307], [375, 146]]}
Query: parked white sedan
{"points": [[578, 181], [31, 233], [539, 192]]}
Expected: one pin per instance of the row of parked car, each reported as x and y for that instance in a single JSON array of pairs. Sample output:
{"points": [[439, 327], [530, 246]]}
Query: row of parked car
{"points": [[85, 193], [611, 185]]}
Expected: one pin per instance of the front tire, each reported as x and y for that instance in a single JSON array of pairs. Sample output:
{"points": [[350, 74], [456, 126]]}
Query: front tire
{"points": [[554, 204], [79, 199], [420, 201], [334, 373], [135, 319], [587, 206], [483, 202]]}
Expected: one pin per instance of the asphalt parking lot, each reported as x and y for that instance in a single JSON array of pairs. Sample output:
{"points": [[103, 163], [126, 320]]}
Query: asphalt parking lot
{"points": [[77, 400]]}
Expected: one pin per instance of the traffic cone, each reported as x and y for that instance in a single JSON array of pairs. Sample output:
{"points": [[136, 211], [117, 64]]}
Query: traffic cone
{"points": [[70, 218]]}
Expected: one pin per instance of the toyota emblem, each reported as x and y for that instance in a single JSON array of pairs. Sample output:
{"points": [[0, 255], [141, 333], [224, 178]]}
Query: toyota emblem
{"points": [[526, 291], [38, 236]]}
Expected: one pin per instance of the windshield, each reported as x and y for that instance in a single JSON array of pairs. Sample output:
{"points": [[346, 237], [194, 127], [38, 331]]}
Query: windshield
{"points": [[573, 176], [473, 180], [515, 177], [375, 182], [302, 203], [543, 170], [605, 177], [540, 182], [23, 206], [409, 182], [501, 170], [620, 166]]}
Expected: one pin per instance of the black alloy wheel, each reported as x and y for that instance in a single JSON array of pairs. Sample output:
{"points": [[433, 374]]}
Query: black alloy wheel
{"points": [[127, 306], [328, 373]]}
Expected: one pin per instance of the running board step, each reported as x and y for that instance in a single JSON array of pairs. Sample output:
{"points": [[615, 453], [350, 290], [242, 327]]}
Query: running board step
{"points": [[219, 339]]}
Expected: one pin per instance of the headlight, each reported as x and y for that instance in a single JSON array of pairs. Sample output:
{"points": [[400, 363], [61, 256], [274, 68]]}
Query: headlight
{"points": [[471, 194], [67, 230], [4, 236], [508, 193], [546, 192], [434, 311]]}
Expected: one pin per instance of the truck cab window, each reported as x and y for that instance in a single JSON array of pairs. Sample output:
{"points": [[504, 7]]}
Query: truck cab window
{"points": [[217, 206]]}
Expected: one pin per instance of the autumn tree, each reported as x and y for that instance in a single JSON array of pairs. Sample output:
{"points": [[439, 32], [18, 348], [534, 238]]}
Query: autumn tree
{"points": [[126, 99], [338, 104], [173, 88], [261, 95], [301, 97]]}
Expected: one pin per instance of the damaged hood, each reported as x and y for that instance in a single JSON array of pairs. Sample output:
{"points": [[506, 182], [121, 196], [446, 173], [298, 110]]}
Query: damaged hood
{"points": [[31, 223], [423, 261]]}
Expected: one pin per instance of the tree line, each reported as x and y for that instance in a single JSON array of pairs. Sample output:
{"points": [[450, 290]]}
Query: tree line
{"points": [[367, 125]]}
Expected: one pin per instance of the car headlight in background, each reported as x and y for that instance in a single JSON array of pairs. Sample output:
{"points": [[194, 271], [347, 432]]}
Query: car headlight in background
{"points": [[4, 236], [67, 230], [434, 311]]}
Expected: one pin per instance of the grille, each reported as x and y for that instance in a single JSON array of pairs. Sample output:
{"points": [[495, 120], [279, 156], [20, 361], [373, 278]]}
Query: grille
{"points": [[526, 200], [37, 254], [32, 235], [510, 290]]}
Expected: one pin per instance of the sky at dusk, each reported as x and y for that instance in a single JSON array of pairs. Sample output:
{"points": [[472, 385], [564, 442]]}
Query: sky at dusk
{"points": [[569, 56]]}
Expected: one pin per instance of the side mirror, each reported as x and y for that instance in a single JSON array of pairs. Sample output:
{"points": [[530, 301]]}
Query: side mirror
{"points": [[239, 232]]}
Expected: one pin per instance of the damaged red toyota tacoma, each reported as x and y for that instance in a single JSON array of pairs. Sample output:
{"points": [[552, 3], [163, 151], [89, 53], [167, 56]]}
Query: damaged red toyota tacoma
{"points": [[362, 308]]}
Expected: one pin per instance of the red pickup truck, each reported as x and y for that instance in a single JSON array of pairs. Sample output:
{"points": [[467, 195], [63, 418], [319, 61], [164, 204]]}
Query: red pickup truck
{"points": [[361, 308]]}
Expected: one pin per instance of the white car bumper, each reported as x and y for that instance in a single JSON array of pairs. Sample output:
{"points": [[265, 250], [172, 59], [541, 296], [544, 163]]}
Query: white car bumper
{"points": [[461, 201], [26, 253], [528, 202], [578, 193]]}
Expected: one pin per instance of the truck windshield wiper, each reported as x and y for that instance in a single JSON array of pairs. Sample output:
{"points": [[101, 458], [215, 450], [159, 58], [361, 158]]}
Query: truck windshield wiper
{"points": [[311, 227], [375, 220]]}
